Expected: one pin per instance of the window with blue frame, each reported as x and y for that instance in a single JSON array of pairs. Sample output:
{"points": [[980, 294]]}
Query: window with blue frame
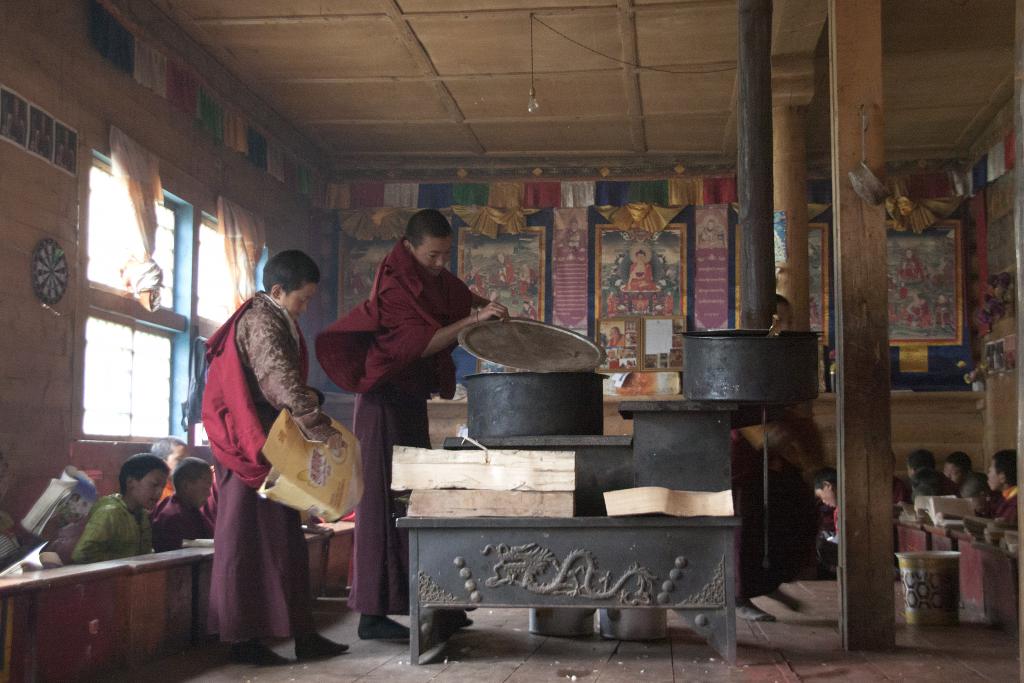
{"points": [[134, 358]]}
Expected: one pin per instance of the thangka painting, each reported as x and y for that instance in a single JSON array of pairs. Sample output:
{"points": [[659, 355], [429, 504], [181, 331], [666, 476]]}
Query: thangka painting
{"points": [[508, 269], [925, 276], [621, 340], [639, 272], [359, 262], [818, 278]]}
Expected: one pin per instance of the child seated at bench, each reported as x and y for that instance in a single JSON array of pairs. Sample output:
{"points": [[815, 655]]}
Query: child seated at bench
{"points": [[171, 450], [827, 544], [1002, 479], [925, 480], [185, 514], [960, 471], [118, 524]]}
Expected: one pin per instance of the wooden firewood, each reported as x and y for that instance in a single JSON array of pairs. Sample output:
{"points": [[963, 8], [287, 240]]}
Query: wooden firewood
{"points": [[462, 503], [648, 500], [493, 470]]}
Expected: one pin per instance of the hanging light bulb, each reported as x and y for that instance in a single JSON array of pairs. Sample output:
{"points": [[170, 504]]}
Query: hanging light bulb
{"points": [[532, 105]]}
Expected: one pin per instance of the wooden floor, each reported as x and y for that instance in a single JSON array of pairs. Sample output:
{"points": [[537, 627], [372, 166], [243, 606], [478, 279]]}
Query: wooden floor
{"points": [[800, 646]]}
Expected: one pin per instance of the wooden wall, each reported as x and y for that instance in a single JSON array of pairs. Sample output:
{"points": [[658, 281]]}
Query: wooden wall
{"points": [[48, 59]]}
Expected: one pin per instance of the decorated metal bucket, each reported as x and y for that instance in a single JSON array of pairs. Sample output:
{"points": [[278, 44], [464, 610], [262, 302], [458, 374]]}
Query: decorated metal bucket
{"points": [[931, 586]]}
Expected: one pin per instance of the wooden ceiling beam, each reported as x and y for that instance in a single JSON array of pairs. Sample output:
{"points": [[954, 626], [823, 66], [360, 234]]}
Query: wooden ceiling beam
{"points": [[976, 126], [420, 54], [630, 79], [535, 118], [683, 69], [319, 19], [286, 20]]}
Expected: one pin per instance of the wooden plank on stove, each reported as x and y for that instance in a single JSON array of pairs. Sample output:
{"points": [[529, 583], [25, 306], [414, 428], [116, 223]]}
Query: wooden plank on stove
{"points": [[461, 503], [646, 500], [492, 470]]}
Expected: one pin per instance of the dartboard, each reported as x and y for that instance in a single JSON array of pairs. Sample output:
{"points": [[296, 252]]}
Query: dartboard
{"points": [[49, 271]]}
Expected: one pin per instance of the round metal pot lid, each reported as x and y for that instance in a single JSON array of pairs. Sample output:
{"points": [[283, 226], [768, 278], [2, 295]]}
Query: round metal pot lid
{"points": [[533, 346]]}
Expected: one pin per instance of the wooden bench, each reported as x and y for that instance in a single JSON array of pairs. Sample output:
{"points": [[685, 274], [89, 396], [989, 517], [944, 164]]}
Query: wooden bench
{"points": [[988, 574], [79, 621]]}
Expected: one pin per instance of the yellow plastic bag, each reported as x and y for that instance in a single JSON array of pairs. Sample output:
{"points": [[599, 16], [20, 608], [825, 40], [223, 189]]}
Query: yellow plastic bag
{"points": [[307, 475]]}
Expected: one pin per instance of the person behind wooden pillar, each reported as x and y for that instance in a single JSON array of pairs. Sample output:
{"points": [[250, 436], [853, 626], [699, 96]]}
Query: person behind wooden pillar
{"points": [[863, 420], [1018, 220], [394, 351], [790, 187]]}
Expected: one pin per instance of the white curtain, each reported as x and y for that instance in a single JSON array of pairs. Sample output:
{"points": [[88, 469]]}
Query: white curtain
{"points": [[244, 236], [138, 171]]}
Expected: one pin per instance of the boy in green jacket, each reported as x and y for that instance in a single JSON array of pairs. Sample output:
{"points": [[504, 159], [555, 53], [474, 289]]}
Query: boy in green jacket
{"points": [[118, 524]]}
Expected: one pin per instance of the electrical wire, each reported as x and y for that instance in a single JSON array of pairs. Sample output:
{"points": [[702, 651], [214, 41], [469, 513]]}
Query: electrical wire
{"points": [[575, 42]]}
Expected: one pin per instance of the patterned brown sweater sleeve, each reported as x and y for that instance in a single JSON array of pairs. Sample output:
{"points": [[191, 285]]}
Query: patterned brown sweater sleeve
{"points": [[267, 346]]}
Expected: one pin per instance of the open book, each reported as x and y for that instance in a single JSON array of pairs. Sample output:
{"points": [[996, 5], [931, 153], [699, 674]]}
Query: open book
{"points": [[65, 501], [26, 559]]}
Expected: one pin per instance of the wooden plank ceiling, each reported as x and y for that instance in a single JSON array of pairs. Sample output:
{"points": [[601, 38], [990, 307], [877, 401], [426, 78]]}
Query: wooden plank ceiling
{"points": [[411, 84]]}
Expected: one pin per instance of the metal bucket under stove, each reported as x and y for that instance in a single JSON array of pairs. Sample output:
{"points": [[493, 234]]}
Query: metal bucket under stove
{"points": [[749, 366]]}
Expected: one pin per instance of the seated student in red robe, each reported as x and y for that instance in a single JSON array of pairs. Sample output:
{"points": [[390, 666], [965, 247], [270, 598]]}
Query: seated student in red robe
{"points": [[1002, 479], [258, 366], [183, 515], [172, 450], [394, 351], [925, 480]]}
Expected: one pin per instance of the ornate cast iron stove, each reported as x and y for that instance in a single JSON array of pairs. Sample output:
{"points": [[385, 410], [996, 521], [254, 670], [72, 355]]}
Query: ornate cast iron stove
{"points": [[593, 561]]}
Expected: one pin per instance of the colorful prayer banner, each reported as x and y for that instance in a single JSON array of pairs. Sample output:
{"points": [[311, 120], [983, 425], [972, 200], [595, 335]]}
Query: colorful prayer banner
{"points": [[401, 195], [711, 274], [569, 259], [577, 193]]}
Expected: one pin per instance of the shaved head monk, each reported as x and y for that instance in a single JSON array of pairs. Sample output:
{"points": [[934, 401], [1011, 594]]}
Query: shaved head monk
{"points": [[258, 366], [394, 351]]}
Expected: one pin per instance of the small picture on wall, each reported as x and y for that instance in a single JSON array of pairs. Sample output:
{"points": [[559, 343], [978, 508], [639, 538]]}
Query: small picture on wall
{"points": [[663, 343], [40, 133], [995, 356], [13, 117], [65, 148], [620, 338]]}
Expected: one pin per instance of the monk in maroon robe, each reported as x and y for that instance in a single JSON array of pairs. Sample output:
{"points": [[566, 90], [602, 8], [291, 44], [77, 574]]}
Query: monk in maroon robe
{"points": [[258, 366], [792, 523], [186, 513], [394, 350]]}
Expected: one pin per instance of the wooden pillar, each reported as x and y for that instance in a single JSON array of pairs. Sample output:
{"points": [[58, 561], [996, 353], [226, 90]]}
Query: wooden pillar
{"points": [[754, 163], [790, 180], [863, 422], [1018, 220]]}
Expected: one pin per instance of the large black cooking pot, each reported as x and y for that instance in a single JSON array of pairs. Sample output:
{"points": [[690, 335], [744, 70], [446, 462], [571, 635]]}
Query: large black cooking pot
{"points": [[750, 366], [534, 404]]}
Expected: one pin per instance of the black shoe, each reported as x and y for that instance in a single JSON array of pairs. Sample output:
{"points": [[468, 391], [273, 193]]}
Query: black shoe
{"points": [[255, 652], [315, 646], [376, 627]]}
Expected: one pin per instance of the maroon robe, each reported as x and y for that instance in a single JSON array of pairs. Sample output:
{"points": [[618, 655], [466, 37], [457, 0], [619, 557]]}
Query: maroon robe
{"points": [[792, 521], [376, 351], [260, 578], [173, 521]]}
